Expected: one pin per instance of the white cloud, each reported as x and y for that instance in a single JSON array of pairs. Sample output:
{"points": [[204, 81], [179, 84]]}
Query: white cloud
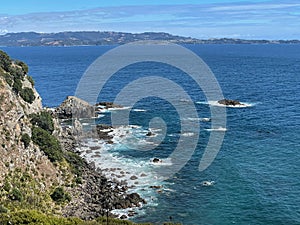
{"points": [[244, 20], [253, 7]]}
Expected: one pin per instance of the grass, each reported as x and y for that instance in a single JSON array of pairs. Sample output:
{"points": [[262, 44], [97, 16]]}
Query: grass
{"points": [[33, 217]]}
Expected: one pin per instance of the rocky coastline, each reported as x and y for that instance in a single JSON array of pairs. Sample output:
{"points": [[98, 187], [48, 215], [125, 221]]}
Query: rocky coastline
{"points": [[98, 194]]}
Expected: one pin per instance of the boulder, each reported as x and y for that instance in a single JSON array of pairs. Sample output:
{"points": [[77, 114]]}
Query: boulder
{"points": [[156, 160]]}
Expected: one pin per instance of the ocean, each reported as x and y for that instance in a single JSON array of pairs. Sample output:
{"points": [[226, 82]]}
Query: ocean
{"points": [[256, 174]]}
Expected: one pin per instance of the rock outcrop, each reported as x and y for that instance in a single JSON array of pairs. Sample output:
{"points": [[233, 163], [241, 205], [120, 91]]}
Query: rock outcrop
{"points": [[73, 107], [229, 102]]}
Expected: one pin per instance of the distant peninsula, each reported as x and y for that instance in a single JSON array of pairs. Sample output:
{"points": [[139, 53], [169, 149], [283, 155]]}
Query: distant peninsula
{"points": [[115, 38]]}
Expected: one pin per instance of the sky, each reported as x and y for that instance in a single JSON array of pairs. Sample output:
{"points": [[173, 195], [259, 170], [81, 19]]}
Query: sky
{"points": [[246, 19]]}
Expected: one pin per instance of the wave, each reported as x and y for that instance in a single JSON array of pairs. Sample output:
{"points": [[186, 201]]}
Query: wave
{"points": [[207, 183], [139, 110], [205, 119], [162, 162], [188, 134], [217, 129]]}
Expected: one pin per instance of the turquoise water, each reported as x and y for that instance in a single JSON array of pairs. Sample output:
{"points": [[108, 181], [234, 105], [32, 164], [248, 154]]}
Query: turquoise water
{"points": [[257, 171]]}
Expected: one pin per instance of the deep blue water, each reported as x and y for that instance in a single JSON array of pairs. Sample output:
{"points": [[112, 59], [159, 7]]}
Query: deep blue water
{"points": [[257, 171]]}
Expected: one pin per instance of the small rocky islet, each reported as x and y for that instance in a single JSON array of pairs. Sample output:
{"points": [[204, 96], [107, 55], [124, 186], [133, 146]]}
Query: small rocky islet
{"points": [[229, 102]]}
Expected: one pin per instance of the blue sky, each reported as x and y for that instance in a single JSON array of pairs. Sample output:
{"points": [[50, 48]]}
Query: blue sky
{"points": [[252, 19]]}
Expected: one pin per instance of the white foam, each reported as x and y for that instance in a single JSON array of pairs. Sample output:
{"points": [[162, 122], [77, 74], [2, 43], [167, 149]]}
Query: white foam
{"points": [[188, 134], [139, 110], [192, 119], [242, 105], [139, 174], [205, 119], [208, 183], [217, 129], [162, 162], [216, 103], [118, 108]]}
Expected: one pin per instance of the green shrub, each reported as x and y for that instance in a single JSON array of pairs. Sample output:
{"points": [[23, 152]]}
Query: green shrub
{"points": [[6, 186], [16, 195], [37, 218], [16, 72], [59, 195], [48, 144], [8, 79], [17, 86], [3, 209], [27, 94], [26, 139], [76, 163], [5, 61], [23, 66], [30, 79], [43, 120]]}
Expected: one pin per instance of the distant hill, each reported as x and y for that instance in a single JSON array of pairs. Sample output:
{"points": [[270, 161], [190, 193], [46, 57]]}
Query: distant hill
{"points": [[108, 38]]}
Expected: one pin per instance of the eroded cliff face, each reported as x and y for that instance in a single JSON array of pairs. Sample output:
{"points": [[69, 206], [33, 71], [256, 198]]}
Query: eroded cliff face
{"points": [[25, 170], [14, 123]]}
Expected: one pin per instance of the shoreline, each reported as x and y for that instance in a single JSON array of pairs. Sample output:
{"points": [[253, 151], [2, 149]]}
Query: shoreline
{"points": [[135, 175]]}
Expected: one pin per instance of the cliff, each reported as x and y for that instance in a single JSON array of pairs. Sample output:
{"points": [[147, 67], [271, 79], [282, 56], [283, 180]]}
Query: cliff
{"points": [[26, 172], [39, 169]]}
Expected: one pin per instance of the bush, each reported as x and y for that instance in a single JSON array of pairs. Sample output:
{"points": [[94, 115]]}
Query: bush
{"points": [[26, 140], [43, 120], [5, 61], [59, 195], [16, 72], [76, 163], [3, 209], [23, 66], [30, 79], [16, 195], [17, 86], [6, 186], [8, 79], [27, 94], [37, 218], [48, 144]]}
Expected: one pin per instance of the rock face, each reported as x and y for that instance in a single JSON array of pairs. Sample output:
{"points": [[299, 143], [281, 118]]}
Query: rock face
{"points": [[74, 107], [229, 102], [14, 123]]}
